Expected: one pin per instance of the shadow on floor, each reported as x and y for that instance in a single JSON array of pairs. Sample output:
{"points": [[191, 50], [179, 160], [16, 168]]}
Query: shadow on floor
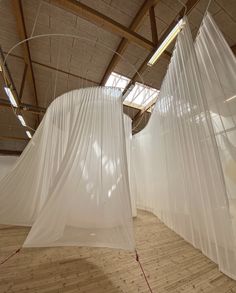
{"points": [[41, 274]]}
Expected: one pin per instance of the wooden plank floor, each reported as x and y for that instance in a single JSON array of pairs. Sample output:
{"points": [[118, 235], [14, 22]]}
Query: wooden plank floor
{"points": [[171, 264]]}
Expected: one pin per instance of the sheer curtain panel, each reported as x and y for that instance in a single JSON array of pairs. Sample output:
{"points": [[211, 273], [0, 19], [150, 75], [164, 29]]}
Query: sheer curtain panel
{"points": [[71, 182], [218, 70], [177, 164]]}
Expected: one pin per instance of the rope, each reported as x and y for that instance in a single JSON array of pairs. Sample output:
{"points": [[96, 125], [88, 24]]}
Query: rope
{"points": [[136, 254], [145, 277], [9, 256]]}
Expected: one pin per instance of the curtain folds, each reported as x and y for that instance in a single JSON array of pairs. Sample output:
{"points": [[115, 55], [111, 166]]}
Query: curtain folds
{"points": [[218, 70], [71, 182], [177, 164]]}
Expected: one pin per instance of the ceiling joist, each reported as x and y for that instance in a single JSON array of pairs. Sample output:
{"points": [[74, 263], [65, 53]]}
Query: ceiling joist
{"points": [[24, 107], [153, 25], [13, 138], [10, 152], [54, 69], [20, 22], [102, 21]]}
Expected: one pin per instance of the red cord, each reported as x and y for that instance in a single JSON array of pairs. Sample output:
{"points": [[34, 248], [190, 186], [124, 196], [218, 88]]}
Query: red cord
{"points": [[137, 259], [9, 256]]}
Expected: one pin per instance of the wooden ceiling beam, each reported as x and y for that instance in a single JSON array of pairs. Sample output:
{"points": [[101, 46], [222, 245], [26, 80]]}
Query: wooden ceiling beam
{"points": [[13, 138], [102, 21], [20, 22], [153, 25], [54, 69], [147, 4], [10, 152], [24, 107]]}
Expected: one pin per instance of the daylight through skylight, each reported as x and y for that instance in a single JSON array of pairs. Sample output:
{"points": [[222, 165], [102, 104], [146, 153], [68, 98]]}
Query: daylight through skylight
{"points": [[117, 80], [141, 96]]}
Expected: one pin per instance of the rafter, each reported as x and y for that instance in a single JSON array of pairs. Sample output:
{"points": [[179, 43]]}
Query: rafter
{"points": [[124, 42], [103, 21], [233, 48], [10, 152], [20, 22], [13, 138], [153, 25], [54, 69]]}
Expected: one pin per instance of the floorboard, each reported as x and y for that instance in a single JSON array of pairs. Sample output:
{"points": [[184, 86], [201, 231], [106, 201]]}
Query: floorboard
{"points": [[171, 265]]}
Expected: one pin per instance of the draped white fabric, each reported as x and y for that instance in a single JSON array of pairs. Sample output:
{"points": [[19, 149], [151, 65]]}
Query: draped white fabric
{"points": [[71, 182], [218, 70], [128, 135], [178, 170]]}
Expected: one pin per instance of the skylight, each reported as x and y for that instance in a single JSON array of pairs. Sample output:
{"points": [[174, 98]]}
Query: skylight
{"points": [[117, 80], [140, 97]]}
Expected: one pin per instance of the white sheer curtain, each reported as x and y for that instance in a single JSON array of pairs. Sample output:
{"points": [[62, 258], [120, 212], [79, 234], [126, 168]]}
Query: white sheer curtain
{"points": [[218, 69], [71, 182], [178, 171]]}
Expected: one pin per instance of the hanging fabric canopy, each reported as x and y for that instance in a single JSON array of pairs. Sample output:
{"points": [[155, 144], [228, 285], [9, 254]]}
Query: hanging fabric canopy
{"points": [[178, 170], [71, 182]]}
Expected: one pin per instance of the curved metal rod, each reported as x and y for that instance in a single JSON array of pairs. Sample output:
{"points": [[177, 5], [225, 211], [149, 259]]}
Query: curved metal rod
{"points": [[67, 36]]}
